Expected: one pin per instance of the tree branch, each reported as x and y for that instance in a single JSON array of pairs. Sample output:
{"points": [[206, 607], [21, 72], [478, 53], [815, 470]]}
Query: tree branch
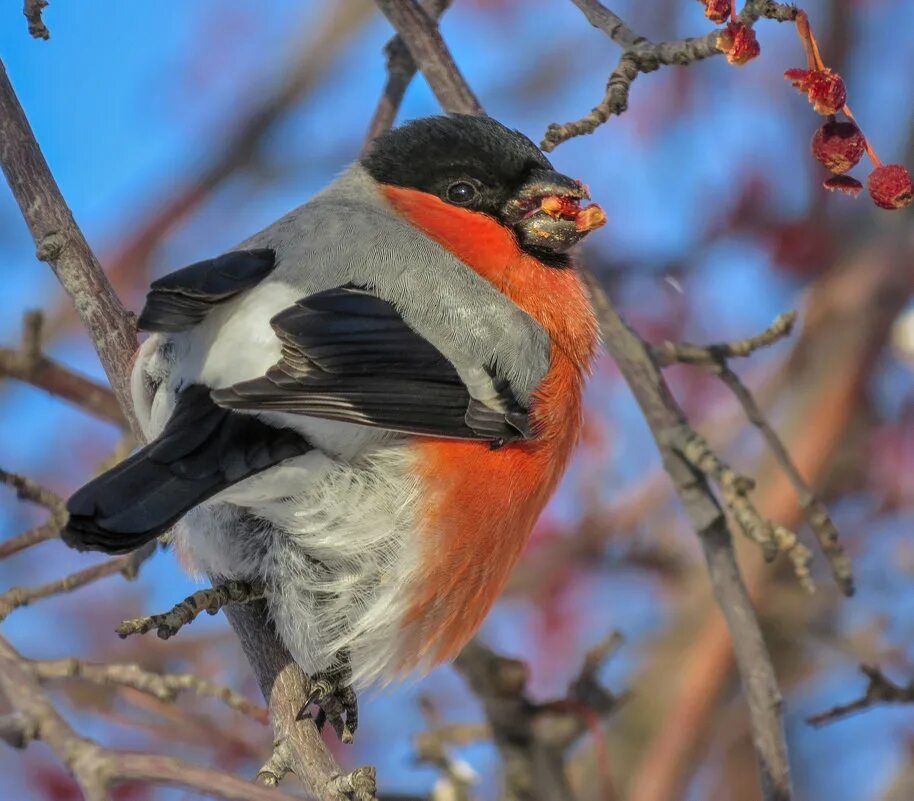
{"points": [[60, 243], [419, 33], [401, 68], [32, 11], [127, 566], [534, 738], [163, 686], [641, 55], [97, 769], [715, 358], [30, 365], [879, 690]]}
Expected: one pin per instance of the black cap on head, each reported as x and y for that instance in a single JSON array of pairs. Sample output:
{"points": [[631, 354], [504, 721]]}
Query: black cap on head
{"points": [[476, 163], [430, 153]]}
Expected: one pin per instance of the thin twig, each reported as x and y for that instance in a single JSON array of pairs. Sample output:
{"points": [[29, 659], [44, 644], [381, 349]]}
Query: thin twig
{"points": [[687, 353], [38, 370], [419, 33], [667, 423], [534, 738], [43, 533], [210, 600], [127, 566], [97, 769], [735, 490], [640, 55], [401, 68], [879, 690], [28, 490], [32, 11], [715, 358], [163, 686], [60, 243]]}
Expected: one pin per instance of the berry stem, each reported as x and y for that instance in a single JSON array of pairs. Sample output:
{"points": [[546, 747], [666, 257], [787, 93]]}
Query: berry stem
{"points": [[869, 148], [733, 10], [813, 57]]}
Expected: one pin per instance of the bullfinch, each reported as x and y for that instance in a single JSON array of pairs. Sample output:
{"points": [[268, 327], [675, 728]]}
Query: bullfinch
{"points": [[366, 406]]}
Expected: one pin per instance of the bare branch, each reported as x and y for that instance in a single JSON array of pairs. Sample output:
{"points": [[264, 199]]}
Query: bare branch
{"points": [[43, 533], [286, 687], [97, 769], [534, 738], [30, 365], [401, 68], [163, 686], [421, 37], [641, 55], [60, 243], [715, 357], [667, 423], [210, 601], [127, 566], [32, 11], [880, 690], [28, 490], [686, 353], [735, 489]]}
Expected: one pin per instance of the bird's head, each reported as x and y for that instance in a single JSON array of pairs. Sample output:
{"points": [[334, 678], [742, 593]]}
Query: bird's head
{"points": [[479, 165]]}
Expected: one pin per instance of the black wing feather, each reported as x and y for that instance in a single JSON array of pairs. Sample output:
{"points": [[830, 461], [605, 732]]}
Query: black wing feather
{"points": [[348, 355], [182, 299], [203, 449]]}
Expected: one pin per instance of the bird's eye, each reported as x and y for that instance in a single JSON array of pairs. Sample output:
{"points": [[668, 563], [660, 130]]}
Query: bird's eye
{"points": [[461, 193]]}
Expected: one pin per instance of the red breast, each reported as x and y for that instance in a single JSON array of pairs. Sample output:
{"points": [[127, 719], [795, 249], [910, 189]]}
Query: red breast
{"points": [[481, 504]]}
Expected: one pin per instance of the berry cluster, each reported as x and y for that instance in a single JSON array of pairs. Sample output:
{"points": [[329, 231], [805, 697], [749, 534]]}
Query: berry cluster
{"points": [[838, 145]]}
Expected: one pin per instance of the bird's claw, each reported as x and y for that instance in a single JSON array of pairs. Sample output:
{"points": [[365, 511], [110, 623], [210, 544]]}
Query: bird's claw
{"points": [[336, 703]]}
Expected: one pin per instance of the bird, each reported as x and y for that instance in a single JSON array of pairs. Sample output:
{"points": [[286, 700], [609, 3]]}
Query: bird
{"points": [[366, 406]]}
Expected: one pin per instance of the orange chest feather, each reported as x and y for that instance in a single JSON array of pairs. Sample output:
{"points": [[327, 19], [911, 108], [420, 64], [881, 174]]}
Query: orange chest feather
{"points": [[482, 504]]}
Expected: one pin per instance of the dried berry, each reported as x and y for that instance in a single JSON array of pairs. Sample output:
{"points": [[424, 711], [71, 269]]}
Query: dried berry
{"points": [[890, 186], [838, 145], [738, 41], [718, 11], [843, 183], [824, 88]]}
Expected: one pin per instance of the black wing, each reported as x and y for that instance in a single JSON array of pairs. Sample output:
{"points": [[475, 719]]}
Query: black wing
{"points": [[183, 298], [202, 450], [348, 355]]}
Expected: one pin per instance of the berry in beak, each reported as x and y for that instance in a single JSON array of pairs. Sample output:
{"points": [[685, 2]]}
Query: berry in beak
{"points": [[546, 212]]}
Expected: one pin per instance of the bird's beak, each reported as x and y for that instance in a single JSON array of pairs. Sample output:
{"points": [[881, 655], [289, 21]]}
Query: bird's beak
{"points": [[546, 212]]}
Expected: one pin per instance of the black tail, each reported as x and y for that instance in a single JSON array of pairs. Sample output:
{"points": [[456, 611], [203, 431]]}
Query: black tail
{"points": [[203, 449]]}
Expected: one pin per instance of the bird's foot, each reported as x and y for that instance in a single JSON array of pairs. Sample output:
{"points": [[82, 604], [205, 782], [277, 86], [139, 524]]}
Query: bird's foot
{"points": [[335, 700]]}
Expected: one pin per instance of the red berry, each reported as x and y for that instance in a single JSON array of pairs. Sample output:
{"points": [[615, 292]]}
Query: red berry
{"points": [[824, 88], [718, 11], [838, 145], [890, 186], [738, 41], [843, 183]]}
